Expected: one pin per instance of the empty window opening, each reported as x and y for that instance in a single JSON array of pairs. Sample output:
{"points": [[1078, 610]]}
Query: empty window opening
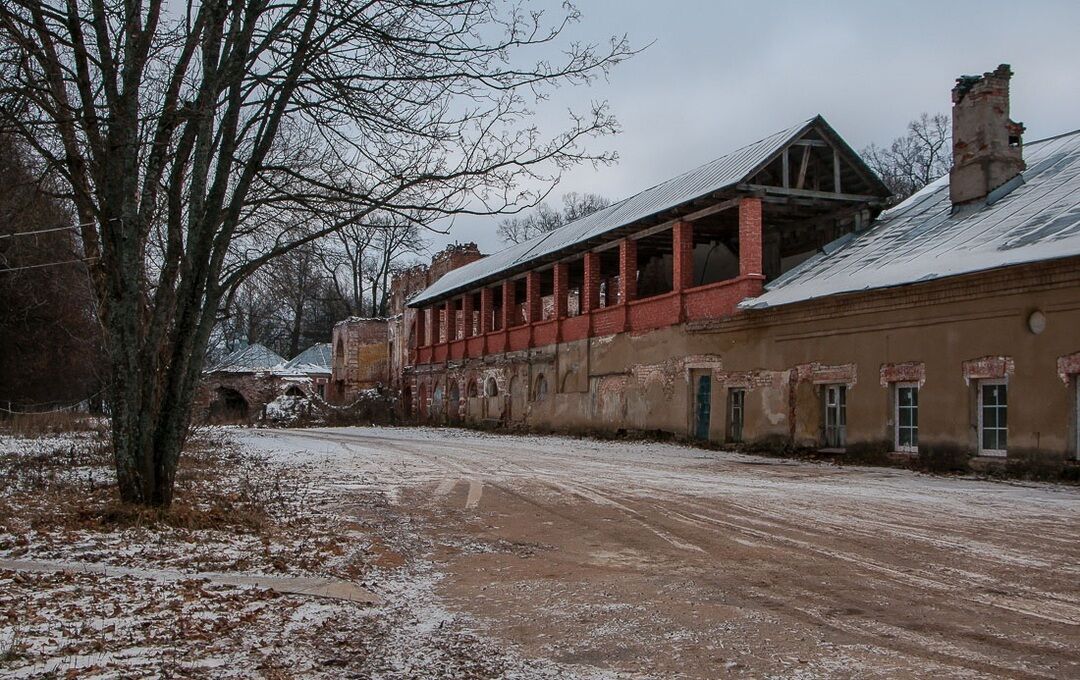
{"points": [[491, 388], [540, 389], [228, 406], [907, 417], [835, 416], [993, 417], [655, 275]]}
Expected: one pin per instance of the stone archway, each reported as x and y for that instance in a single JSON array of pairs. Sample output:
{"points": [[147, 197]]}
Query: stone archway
{"points": [[228, 406]]}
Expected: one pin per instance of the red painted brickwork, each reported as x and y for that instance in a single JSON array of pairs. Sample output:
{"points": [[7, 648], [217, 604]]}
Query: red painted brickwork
{"points": [[475, 346], [509, 309], [985, 368], [560, 275], [468, 318], [911, 371], [545, 333], [450, 320], [533, 302], [609, 320], [717, 300], [683, 255], [654, 312], [575, 327], [750, 236], [627, 270], [457, 349], [487, 305], [590, 297], [1068, 365], [519, 338]]}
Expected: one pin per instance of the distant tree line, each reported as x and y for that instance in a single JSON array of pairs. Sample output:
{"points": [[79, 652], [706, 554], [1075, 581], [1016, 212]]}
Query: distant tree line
{"points": [[51, 353]]}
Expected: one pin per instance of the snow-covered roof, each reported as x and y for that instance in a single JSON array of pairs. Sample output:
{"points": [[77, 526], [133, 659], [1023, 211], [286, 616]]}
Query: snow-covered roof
{"points": [[248, 359], [722, 173], [1033, 218], [314, 359]]}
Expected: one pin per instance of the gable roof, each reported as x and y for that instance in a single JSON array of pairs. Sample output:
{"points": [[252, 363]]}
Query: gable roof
{"points": [[1033, 218], [723, 173], [248, 359], [314, 359]]}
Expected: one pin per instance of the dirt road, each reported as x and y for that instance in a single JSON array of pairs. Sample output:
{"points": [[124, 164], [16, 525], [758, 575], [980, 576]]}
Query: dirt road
{"points": [[657, 560]]}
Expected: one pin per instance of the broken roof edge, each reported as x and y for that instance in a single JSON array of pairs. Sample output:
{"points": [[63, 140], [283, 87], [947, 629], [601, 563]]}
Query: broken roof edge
{"points": [[520, 262]]}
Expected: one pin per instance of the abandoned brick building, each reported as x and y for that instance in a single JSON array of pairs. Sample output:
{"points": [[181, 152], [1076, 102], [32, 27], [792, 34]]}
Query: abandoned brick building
{"points": [[238, 388], [769, 297]]}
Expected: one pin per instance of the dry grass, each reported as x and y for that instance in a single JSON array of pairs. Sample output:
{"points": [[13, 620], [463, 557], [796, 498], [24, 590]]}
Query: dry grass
{"points": [[56, 422]]}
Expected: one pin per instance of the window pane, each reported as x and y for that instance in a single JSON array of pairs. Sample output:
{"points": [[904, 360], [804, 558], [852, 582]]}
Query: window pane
{"points": [[905, 436], [989, 415], [989, 441], [914, 437], [1003, 416], [1003, 436], [905, 394], [905, 417], [914, 396], [915, 416]]}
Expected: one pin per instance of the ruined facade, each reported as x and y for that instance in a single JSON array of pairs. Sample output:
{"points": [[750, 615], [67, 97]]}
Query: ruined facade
{"points": [[767, 298], [360, 360], [238, 388]]}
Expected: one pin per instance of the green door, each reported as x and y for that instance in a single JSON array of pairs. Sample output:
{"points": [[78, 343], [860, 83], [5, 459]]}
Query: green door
{"points": [[703, 403]]}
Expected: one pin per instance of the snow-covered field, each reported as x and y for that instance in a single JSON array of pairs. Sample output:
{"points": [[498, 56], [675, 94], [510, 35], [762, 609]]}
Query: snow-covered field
{"points": [[452, 554]]}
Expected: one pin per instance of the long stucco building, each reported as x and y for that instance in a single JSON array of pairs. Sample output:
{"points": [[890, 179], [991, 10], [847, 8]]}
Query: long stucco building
{"points": [[769, 297]]}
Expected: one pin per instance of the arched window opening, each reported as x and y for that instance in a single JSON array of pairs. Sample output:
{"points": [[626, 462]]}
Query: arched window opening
{"points": [[491, 388]]}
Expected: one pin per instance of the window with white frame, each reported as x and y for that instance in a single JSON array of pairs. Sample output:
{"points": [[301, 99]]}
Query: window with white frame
{"points": [[835, 416], [736, 405], [906, 417], [993, 417]]}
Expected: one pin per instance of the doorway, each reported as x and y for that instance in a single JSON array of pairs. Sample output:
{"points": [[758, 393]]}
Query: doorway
{"points": [[702, 406]]}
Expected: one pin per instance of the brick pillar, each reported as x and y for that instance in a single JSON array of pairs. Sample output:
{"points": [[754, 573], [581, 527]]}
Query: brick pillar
{"points": [[467, 316], [487, 304], [560, 275], [533, 305], [508, 304], [682, 260], [420, 340], [451, 322], [628, 270], [590, 286], [750, 236]]}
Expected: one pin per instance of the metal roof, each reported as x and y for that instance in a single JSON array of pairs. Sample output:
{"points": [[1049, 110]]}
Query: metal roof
{"points": [[248, 359], [314, 359], [1033, 218], [722, 173]]}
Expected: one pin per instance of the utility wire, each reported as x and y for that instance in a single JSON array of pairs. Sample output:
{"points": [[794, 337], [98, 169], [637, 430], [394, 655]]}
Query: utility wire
{"points": [[40, 231], [46, 264]]}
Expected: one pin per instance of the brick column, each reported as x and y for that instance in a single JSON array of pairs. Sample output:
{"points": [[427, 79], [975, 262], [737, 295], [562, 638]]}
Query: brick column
{"points": [[627, 270], [487, 304], [750, 236], [533, 305], [451, 325], [508, 304], [682, 261], [590, 286], [467, 316], [420, 336], [560, 275]]}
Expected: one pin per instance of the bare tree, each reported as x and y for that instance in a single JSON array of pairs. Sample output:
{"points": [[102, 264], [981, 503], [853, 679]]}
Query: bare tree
{"points": [[197, 141], [518, 229], [916, 159]]}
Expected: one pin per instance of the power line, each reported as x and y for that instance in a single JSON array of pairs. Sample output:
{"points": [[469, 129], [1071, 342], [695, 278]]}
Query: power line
{"points": [[46, 264], [40, 231]]}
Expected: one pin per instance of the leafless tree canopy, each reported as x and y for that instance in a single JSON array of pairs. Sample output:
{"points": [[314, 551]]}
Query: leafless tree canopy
{"points": [[545, 218], [916, 159], [198, 141]]}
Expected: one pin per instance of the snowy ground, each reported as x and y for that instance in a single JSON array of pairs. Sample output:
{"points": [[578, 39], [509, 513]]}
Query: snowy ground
{"points": [[669, 561], [531, 557]]}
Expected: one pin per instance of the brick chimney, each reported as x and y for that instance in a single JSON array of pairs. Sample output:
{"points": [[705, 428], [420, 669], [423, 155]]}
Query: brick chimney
{"points": [[987, 145]]}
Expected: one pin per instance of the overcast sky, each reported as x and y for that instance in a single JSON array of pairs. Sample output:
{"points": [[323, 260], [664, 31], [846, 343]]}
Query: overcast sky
{"points": [[720, 75]]}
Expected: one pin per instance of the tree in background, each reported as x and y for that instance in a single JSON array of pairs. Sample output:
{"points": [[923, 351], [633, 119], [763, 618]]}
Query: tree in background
{"points": [[916, 159], [50, 342], [545, 218], [198, 141]]}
